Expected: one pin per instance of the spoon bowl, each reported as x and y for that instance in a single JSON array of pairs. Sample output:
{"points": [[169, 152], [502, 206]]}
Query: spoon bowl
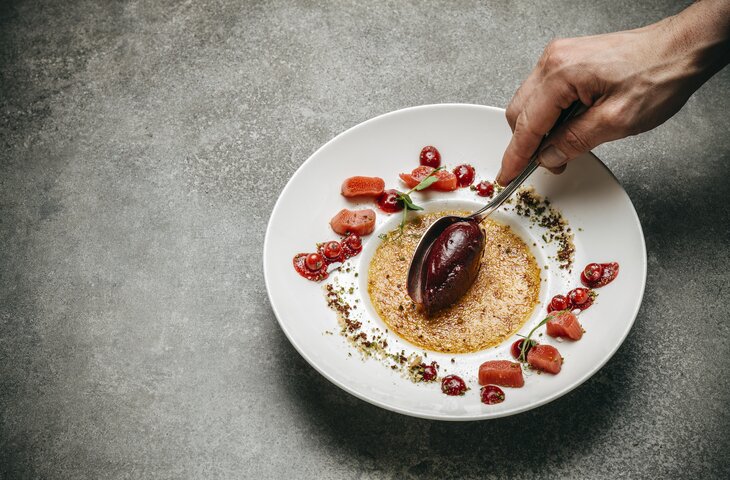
{"points": [[416, 277]]}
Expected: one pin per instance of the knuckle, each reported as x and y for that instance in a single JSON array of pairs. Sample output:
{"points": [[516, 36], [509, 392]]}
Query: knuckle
{"points": [[529, 126], [576, 141], [551, 46], [618, 117], [523, 125], [511, 113], [555, 55]]}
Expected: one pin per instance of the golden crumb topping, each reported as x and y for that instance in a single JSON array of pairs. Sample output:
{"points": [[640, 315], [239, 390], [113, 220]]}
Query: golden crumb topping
{"points": [[497, 305]]}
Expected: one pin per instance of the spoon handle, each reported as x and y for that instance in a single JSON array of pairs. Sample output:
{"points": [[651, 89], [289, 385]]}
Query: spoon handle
{"points": [[507, 191]]}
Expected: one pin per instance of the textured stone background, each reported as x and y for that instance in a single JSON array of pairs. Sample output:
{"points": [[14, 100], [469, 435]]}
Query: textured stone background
{"points": [[143, 145]]}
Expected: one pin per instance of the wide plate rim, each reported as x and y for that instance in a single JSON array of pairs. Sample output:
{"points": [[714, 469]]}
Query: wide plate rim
{"points": [[395, 408]]}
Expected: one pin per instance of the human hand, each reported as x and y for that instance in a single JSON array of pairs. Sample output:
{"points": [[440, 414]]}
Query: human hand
{"points": [[630, 81]]}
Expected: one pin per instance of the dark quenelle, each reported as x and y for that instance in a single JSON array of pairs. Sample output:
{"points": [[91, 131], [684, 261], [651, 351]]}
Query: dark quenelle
{"points": [[452, 265]]}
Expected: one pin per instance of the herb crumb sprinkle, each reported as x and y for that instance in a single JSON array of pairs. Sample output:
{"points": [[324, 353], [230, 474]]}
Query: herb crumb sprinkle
{"points": [[539, 211]]}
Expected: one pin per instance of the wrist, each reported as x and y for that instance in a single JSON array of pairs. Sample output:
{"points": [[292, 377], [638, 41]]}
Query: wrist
{"points": [[698, 38]]}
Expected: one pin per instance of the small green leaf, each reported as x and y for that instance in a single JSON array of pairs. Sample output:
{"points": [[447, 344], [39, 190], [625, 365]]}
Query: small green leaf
{"points": [[428, 181], [425, 183], [407, 202], [410, 205]]}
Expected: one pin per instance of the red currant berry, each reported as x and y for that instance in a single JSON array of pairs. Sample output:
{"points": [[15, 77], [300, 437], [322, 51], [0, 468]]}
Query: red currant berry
{"points": [[464, 175], [485, 189], [559, 302], [314, 261], [332, 250], [578, 296], [516, 348], [492, 394], [354, 241], [389, 202], [430, 157], [593, 272], [453, 385], [430, 372]]}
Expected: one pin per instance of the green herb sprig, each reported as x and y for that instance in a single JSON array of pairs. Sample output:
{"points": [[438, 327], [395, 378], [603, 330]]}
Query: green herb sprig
{"points": [[527, 344], [408, 204]]}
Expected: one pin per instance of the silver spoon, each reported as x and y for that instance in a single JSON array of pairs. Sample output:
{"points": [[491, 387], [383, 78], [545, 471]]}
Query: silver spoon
{"points": [[417, 272]]}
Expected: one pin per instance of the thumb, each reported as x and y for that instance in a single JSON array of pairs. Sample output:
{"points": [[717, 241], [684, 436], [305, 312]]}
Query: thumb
{"points": [[575, 137]]}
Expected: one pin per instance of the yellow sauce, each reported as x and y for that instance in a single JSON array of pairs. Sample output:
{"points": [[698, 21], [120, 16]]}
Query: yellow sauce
{"points": [[497, 305]]}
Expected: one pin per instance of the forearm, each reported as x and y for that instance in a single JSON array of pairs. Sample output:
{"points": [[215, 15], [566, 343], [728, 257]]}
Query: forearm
{"points": [[699, 37]]}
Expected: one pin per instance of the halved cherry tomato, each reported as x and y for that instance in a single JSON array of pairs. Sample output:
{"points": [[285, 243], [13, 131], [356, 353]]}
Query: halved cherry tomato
{"points": [[446, 180]]}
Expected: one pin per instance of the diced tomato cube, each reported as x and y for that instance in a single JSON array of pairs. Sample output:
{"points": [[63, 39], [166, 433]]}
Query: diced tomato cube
{"points": [[564, 324], [545, 358], [501, 372], [446, 180], [359, 222], [362, 186]]}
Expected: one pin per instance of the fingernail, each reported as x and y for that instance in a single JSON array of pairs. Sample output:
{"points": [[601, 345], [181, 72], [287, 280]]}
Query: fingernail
{"points": [[552, 157], [557, 171], [498, 178]]}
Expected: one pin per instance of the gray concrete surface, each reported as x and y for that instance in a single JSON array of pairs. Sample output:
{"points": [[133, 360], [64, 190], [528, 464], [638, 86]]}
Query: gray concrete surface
{"points": [[143, 145]]}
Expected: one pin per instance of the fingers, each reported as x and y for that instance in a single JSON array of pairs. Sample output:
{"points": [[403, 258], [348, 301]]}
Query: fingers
{"points": [[577, 136], [558, 170], [537, 117], [517, 104]]}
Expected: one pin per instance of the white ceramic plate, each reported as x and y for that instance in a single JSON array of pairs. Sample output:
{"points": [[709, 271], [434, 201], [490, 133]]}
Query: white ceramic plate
{"points": [[599, 211]]}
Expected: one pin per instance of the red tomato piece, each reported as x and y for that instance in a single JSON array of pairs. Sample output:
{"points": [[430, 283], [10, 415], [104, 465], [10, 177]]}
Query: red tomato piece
{"points": [[564, 324], [446, 180], [501, 372], [545, 358], [360, 222], [362, 187], [414, 178]]}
